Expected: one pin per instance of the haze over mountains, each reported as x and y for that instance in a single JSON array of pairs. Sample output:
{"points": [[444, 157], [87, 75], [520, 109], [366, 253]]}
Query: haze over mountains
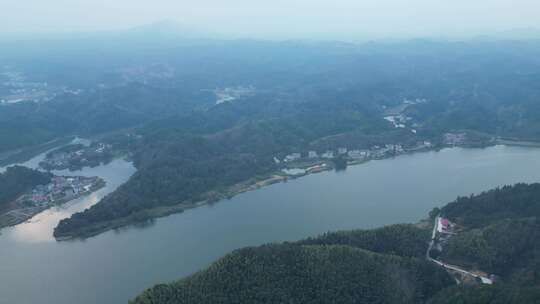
{"points": [[315, 19], [171, 29], [111, 121]]}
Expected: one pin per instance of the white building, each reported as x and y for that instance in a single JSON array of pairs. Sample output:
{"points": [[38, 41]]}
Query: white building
{"points": [[292, 157], [357, 154], [328, 154]]}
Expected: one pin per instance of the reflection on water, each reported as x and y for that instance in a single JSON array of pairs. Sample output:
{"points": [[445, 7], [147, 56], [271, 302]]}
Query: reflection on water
{"points": [[136, 226], [116, 265], [40, 228]]}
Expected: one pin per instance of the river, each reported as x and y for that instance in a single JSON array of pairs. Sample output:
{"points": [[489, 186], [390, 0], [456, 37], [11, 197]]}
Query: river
{"points": [[115, 266]]}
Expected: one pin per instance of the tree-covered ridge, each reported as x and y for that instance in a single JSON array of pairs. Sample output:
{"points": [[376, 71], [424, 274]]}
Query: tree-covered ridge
{"points": [[518, 201], [18, 180], [402, 239], [305, 96], [129, 84], [501, 233], [509, 248], [300, 273], [186, 160], [384, 265]]}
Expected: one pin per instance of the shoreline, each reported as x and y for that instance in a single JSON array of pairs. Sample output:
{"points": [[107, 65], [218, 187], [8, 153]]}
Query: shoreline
{"points": [[22, 215], [215, 196], [517, 143], [20, 156]]}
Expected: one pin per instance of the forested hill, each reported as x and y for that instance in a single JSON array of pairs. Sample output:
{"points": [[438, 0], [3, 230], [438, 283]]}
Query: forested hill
{"points": [[501, 235], [385, 265], [192, 159], [316, 271], [282, 97], [518, 201], [17, 180]]}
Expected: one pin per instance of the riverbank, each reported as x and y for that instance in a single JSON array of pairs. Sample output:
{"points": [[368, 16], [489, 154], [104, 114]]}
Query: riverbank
{"points": [[212, 197], [163, 211], [20, 215], [22, 155], [360, 197], [216, 195], [517, 142]]}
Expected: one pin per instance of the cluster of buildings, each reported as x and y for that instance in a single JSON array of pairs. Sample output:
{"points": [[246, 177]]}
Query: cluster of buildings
{"points": [[66, 159], [445, 229], [232, 93], [454, 139], [375, 152], [18, 89], [414, 101], [60, 189], [398, 121], [396, 115]]}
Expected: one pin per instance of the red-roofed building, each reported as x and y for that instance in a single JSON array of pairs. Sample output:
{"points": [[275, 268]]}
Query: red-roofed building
{"points": [[445, 226]]}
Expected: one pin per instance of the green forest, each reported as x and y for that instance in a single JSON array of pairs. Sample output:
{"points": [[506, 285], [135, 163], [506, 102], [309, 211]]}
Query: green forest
{"points": [[304, 97], [18, 180], [336, 268], [500, 235]]}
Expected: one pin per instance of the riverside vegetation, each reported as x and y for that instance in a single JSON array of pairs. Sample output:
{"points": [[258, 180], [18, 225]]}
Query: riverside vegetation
{"points": [[384, 265]]}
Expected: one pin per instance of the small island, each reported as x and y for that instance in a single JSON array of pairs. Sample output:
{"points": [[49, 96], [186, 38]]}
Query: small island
{"points": [[26, 192]]}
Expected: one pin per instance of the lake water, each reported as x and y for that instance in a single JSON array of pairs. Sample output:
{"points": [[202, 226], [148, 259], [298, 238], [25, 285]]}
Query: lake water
{"points": [[115, 266]]}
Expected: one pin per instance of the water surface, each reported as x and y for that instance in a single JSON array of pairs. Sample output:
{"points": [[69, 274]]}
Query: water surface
{"points": [[115, 266]]}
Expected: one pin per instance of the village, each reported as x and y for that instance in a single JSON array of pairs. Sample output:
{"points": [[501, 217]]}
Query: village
{"points": [[300, 163], [60, 190], [75, 157], [15, 88], [230, 94]]}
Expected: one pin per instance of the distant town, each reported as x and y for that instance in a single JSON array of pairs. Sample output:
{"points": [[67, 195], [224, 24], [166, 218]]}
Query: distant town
{"points": [[15, 88], [232, 93]]}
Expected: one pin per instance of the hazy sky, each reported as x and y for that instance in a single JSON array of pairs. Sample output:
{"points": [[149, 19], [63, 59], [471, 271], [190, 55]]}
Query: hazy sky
{"points": [[286, 18]]}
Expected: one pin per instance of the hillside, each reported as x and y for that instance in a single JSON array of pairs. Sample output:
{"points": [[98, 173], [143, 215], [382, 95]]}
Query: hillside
{"points": [[499, 234], [17, 180], [300, 273], [182, 162], [300, 97]]}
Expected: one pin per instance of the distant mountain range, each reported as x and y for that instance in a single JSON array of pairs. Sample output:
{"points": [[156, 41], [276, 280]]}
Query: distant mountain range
{"points": [[172, 29]]}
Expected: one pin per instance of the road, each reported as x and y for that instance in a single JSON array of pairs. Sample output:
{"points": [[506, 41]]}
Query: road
{"points": [[484, 280]]}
